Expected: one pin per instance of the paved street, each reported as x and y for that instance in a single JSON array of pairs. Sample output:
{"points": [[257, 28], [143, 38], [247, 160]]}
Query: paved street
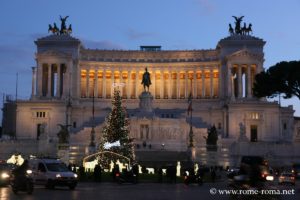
{"points": [[145, 191]]}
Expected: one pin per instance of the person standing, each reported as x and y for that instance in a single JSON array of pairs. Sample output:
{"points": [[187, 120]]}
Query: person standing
{"points": [[97, 173]]}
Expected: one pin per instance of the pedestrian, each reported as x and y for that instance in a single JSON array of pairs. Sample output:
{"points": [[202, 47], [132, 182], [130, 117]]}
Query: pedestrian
{"points": [[160, 175], [135, 171], [70, 167], [115, 171], [213, 175], [97, 173], [81, 173], [74, 168], [173, 173]]}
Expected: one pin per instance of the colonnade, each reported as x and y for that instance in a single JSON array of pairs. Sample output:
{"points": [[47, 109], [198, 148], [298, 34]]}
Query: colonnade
{"points": [[167, 83], [51, 80], [241, 80]]}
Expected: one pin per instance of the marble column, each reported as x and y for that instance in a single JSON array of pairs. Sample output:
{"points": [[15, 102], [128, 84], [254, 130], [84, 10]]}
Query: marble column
{"points": [[112, 84], [186, 84], [66, 82], [104, 83], [258, 68], [203, 82], [220, 82], [87, 83], [230, 82], [96, 83], [136, 83], [79, 87], [164, 85], [211, 75], [195, 84], [240, 83], [120, 81], [249, 82], [33, 92], [154, 83], [49, 81], [161, 84], [178, 84], [58, 80], [128, 87], [39, 77], [170, 84]]}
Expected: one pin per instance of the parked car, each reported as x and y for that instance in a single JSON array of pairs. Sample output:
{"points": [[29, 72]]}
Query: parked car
{"points": [[51, 173], [5, 173], [232, 172], [287, 178]]}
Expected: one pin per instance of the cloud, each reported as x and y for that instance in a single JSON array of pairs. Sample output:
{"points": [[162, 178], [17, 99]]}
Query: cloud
{"points": [[103, 44], [135, 35]]}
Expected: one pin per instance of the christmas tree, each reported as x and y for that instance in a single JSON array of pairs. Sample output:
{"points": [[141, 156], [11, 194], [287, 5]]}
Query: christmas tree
{"points": [[116, 129], [212, 137]]}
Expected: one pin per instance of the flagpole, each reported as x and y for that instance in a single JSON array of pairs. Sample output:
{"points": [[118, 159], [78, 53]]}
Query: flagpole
{"points": [[191, 134], [92, 142], [192, 150]]}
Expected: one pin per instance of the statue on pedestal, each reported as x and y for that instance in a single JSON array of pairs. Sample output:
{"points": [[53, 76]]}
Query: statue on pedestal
{"points": [[63, 134], [146, 80], [242, 136]]}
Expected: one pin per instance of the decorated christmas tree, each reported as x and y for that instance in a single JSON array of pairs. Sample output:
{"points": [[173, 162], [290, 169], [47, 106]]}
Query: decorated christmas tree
{"points": [[212, 138], [115, 134]]}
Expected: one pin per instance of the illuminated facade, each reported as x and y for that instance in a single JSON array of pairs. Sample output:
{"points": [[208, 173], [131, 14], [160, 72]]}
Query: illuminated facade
{"points": [[69, 77]]}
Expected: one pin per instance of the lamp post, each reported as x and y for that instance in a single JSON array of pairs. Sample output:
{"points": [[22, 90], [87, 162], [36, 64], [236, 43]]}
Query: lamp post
{"points": [[192, 150], [92, 142], [68, 106]]}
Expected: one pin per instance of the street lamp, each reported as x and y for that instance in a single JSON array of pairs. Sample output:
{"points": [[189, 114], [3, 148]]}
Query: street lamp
{"points": [[191, 146], [190, 109], [92, 142]]}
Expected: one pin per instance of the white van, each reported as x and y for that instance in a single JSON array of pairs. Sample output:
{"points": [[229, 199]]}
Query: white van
{"points": [[51, 173]]}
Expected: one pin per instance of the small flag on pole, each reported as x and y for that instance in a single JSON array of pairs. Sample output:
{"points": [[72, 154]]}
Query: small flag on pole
{"points": [[190, 109]]}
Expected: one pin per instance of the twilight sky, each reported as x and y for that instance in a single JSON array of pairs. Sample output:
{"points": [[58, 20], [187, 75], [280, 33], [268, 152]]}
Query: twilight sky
{"points": [[127, 24]]}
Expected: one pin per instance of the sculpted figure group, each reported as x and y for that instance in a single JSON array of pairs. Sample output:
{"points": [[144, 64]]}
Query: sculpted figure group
{"points": [[238, 29], [63, 28]]}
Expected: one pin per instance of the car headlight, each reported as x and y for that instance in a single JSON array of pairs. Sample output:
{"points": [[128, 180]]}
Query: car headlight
{"points": [[75, 175], [29, 171], [270, 178], [4, 175], [58, 176]]}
